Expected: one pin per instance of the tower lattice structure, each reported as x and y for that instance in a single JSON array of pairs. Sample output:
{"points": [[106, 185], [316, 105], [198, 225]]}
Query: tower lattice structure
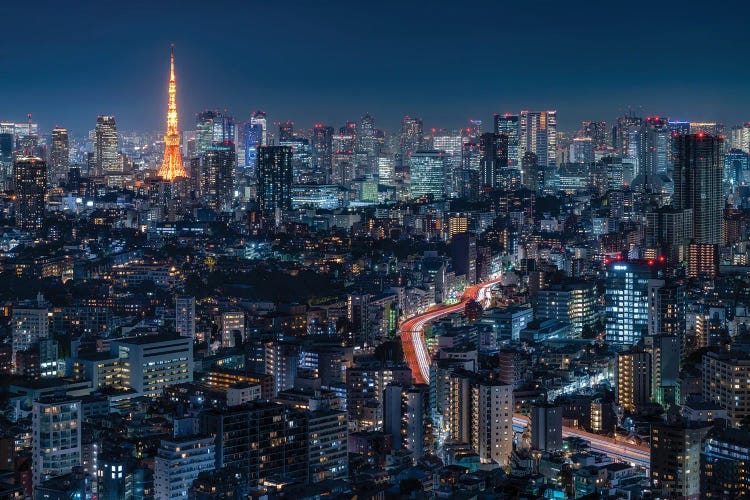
{"points": [[172, 166]]}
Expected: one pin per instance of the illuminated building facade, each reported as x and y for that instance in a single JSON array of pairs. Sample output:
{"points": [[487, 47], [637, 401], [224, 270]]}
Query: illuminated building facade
{"points": [[30, 181], [275, 178]]}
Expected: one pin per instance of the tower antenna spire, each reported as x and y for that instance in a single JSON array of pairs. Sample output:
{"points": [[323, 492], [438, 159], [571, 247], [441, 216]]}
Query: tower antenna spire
{"points": [[172, 166]]}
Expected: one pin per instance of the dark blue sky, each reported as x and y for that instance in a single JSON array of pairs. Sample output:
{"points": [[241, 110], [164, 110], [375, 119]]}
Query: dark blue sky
{"points": [[329, 61]]}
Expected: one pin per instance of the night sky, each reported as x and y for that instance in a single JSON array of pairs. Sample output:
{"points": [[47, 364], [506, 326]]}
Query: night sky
{"points": [[321, 61]]}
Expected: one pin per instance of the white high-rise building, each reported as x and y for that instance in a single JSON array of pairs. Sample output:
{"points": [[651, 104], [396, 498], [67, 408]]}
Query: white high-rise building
{"points": [[492, 413], [30, 324], [56, 438], [179, 461], [539, 136]]}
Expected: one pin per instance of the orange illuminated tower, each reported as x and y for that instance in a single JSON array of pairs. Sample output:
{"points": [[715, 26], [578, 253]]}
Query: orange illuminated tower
{"points": [[172, 167]]}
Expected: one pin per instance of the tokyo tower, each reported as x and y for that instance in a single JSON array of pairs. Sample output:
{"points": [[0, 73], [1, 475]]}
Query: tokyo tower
{"points": [[172, 167]]}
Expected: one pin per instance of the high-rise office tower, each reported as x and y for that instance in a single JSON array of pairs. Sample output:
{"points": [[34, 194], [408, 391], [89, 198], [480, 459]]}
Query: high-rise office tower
{"points": [[30, 183], [427, 170], [56, 437], [508, 124], [739, 137], [627, 136], [698, 174], [59, 158], [494, 159], [679, 127], [253, 140], [530, 176], [411, 138], [107, 158], [546, 428], [286, 131], [322, 143], [212, 127], [303, 171], [596, 131], [656, 154], [450, 143], [708, 128], [538, 135], [737, 168], [217, 180], [184, 316], [172, 166], [366, 135], [275, 178], [633, 379], [626, 302], [675, 459], [582, 150], [6, 158], [259, 118]]}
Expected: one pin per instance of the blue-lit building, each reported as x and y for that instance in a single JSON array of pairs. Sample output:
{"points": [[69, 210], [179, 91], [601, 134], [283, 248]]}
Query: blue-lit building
{"points": [[427, 169], [737, 168], [253, 139], [626, 301]]}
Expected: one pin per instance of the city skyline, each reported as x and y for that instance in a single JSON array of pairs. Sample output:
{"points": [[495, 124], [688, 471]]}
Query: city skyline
{"points": [[391, 64]]}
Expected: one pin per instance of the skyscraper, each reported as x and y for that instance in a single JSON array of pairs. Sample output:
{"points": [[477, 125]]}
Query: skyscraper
{"points": [[494, 159], [427, 170], [107, 158], [204, 130], [275, 177], [508, 124], [59, 160], [286, 131], [366, 135], [597, 131], [698, 184], [322, 143], [655, 149], [530, 172], [538, 134], [217, 181], [172, 166], [411, 137], [253, 140], [259, 118], [30, 181]]}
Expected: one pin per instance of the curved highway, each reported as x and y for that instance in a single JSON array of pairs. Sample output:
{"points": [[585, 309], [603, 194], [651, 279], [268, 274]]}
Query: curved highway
{"points": [[418, 359], [412, 329]]}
